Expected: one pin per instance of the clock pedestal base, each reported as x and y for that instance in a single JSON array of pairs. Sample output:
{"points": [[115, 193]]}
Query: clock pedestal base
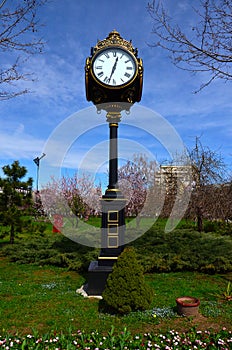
{"points": [[97, 276], [113, 232]]}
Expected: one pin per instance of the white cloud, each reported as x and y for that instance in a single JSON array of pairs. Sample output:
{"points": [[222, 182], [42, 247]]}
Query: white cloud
{"points": [[19, 145], [19, 130], [58, 81]]}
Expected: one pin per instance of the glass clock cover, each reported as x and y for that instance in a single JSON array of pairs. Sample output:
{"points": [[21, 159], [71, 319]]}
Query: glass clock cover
{"points": [[114, 67]]}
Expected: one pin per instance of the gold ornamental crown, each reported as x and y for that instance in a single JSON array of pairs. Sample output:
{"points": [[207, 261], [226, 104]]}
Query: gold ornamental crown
{"points": [[114, 38]]}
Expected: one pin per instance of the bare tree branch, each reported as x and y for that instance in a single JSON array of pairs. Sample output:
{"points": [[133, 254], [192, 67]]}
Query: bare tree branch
{"points": [[208, 48], [211, 177], [18, 36]]}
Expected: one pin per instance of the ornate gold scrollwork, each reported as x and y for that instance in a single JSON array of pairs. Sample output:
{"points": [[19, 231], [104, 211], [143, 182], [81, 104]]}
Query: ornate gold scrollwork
{"points": [[98, 94], [129, 95], [114, 38]]}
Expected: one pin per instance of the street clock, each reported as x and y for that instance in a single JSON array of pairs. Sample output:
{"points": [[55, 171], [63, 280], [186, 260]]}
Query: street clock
{"points": [[113, 72], [113, 81]]}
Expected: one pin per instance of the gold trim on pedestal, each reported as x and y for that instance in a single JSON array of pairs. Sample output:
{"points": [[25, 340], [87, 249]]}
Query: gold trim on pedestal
{"points": [[112, 229], [110, 238], [113, 212], [113, 199]]}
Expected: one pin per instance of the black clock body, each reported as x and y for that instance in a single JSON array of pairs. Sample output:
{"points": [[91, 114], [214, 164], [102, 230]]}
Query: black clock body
{"points": [[113, 72]]}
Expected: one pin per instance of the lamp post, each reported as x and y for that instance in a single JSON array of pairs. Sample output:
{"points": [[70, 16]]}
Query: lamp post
{"points": [[37, 162]]}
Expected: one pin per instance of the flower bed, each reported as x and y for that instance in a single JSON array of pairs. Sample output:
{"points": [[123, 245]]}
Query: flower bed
{"points": [[124, 340]]}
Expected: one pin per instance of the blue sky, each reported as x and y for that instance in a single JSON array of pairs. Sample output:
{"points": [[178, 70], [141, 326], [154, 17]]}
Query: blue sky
{"points": [[70, 29]]}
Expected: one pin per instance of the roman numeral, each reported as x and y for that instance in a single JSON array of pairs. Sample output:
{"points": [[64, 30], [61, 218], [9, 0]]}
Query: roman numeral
{"points": [[100, 60], [127, 61], [98, 67], [129, 68], [122, 80], [114, 53], [107, 55], [114, 82], [106, 80], [127, 75], [100, 74]]}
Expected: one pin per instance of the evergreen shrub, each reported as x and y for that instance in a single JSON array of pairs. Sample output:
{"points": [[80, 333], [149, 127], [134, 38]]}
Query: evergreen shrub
{"points": [[211, 226], [221, 227], [52, 249], [126, 289]]}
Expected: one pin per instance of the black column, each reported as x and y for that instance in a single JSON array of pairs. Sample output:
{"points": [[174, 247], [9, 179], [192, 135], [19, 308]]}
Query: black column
{"points": [[113, 156]]}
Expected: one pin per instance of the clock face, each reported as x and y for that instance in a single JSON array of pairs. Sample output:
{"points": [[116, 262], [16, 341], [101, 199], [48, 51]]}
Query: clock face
{"points": [[114, 67]]}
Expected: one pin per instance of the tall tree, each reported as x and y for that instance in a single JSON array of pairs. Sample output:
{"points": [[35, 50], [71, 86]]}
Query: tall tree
{"points": [[210, 172], [218, 199], [136, 180], [19, 27], [206, 47], [15, 196]]}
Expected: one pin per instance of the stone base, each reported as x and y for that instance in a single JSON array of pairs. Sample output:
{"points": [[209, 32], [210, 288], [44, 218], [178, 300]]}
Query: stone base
{"points": [[97, 276]]}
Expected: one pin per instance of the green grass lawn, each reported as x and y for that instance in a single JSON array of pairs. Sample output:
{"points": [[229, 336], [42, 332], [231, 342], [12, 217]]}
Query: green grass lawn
{"points": [[44, 298], [40, 273]]}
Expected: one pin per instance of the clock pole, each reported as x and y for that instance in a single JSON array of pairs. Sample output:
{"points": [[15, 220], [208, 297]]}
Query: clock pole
{"points": [[113, 77], [113, 118], [113, 156], [113, 202]]}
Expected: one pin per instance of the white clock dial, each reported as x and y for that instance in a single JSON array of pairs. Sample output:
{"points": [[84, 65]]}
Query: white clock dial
{"points": [[114, 67]]}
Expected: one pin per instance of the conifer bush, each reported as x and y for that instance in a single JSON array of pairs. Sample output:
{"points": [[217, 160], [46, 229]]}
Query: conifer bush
{"points": [[126, 289]]}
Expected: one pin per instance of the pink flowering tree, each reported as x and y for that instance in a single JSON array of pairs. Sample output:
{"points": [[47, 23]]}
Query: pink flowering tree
{"points": [[73, 197]]}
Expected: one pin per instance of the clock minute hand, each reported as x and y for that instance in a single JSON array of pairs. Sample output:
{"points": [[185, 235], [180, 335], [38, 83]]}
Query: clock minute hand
{"points": [[114, 67]]}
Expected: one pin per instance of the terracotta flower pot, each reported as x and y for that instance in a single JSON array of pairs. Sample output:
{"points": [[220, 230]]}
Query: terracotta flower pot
{"points": [[187, 306]]}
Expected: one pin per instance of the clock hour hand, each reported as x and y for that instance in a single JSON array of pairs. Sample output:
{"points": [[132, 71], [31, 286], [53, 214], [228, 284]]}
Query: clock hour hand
{"points": [[113, 69]]}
